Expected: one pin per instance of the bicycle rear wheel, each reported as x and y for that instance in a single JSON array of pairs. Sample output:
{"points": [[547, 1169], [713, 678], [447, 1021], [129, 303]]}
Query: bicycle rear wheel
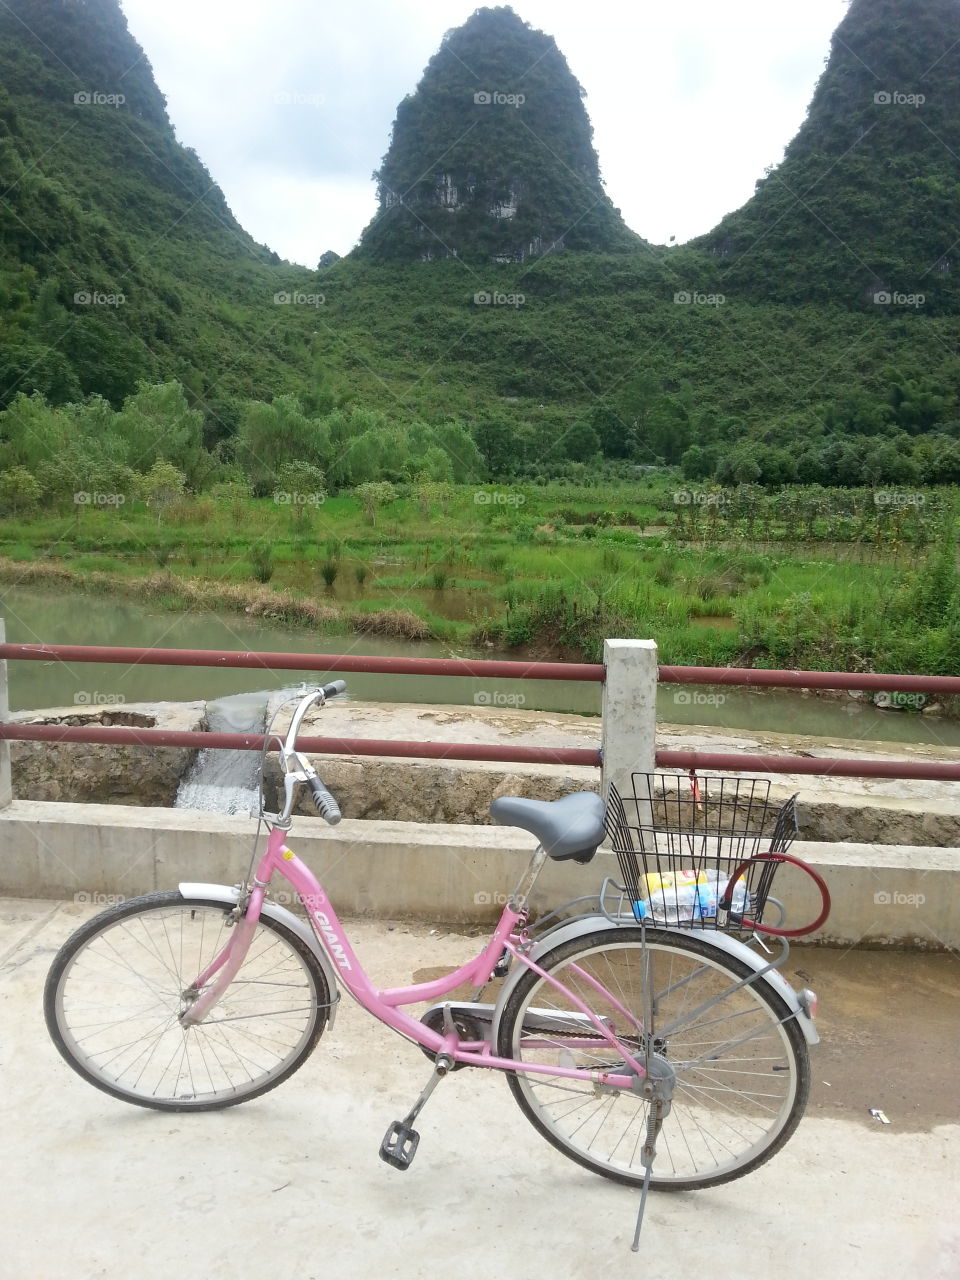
{"points": [[116, 988], [741, 1064]]}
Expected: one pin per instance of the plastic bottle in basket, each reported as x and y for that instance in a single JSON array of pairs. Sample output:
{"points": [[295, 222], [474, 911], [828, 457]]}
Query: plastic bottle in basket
{"points": [[687, 896]]}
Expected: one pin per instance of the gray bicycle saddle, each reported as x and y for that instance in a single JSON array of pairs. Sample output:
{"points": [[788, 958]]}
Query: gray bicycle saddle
{"points": [[568, 828]]}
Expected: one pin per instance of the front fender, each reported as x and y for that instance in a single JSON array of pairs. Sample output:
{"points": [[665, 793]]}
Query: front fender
{"points": [[229, 895], [716, 938]]}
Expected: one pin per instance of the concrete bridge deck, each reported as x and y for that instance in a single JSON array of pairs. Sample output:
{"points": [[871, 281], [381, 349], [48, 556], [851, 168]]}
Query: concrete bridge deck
{"points": [[290, 1185]]}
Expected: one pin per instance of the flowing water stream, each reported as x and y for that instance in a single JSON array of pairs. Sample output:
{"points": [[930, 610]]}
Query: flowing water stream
{"points": [[226, 781]]}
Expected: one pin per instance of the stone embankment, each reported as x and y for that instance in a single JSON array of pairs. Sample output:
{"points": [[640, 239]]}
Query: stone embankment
{"points": [[90, 773]]}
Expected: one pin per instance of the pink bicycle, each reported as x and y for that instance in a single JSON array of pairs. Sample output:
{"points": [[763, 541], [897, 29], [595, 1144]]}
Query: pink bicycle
{"points": [[622, 1038]]}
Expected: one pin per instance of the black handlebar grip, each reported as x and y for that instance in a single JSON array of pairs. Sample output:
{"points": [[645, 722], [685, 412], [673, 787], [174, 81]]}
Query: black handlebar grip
{"points": [[327, 807], [334, 687]]}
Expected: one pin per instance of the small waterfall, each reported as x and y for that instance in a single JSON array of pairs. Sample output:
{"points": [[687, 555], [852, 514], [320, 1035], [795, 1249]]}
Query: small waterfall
{"points": [[226, 781]]}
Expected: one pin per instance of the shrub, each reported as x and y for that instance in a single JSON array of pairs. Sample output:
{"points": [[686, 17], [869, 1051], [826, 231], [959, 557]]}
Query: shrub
{"points": [[664, 572], [261, 557]]}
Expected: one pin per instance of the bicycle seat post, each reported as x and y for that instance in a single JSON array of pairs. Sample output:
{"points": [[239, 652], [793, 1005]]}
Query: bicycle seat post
{"points": [[521, 894]]}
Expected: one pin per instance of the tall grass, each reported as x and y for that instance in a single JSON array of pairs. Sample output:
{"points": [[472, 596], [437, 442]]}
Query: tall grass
{"points": [[795, 603]]}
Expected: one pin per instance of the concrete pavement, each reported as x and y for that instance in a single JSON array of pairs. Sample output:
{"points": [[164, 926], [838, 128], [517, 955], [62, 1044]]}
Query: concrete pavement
{"points": [[290, 1185]]}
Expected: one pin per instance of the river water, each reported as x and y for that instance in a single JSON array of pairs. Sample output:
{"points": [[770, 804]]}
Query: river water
{"points": [[37, 616]]}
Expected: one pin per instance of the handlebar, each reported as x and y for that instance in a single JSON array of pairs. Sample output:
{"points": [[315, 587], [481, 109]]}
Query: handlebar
{"points": [[327, 807], [298, 769]]}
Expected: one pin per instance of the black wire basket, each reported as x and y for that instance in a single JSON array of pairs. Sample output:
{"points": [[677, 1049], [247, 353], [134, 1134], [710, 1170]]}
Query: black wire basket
{"points": [[694, 851]]}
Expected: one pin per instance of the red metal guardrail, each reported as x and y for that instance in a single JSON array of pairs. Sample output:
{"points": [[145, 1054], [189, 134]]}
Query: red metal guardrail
{"points": [[593, 672]]}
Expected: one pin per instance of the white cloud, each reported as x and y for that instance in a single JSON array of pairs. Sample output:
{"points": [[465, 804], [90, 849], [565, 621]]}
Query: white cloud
{"points": [[689, 101]]}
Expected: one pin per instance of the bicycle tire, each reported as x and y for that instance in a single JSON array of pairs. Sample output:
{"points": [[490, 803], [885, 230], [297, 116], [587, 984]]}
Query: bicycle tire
{"points": [[690, 1155], [91, 972]]}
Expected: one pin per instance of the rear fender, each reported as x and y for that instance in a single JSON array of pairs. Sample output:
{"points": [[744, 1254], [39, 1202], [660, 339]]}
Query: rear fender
{"points": [[721, 942]]}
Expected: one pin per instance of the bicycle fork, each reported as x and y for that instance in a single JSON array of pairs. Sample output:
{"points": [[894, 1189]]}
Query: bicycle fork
{"points": [[226, 964]]}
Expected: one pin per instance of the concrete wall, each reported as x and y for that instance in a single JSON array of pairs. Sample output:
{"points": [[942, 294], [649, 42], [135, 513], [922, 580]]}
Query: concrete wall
{"points": [[450, 873]]}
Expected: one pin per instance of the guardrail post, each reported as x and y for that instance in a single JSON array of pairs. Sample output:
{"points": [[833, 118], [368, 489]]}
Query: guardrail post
{"points": [[6, 790], [629, 711]]}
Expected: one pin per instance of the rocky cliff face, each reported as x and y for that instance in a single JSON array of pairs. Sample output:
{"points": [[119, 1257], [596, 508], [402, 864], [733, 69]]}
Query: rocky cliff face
{"points": [[491, 158]]}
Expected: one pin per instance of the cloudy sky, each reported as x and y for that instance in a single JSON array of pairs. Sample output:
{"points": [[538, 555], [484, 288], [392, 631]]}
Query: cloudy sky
{"points": [[290, 103]]}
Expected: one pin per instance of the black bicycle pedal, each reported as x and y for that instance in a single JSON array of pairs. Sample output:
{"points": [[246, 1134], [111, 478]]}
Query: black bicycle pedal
{"points": [[399, 1145]]}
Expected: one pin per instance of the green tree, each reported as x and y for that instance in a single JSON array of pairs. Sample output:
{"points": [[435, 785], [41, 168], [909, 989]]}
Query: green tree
{"points": [[271, 435], [19, 489], [580, 442], [300, 485], [502, 446], [373, 495], [162, 486]]}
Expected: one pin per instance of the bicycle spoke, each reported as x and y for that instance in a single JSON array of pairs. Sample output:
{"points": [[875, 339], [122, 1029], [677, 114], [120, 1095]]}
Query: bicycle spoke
{"points": [[119, 1004], [729, 1057]]}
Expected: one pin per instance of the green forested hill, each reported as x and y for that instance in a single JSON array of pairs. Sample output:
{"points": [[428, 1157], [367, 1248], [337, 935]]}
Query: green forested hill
{"points": [[758, 352], [99, 201], [867, 199], [492, 157]]}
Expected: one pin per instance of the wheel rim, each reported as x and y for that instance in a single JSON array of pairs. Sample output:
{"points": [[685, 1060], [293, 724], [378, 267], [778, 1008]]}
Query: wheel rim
{"points": [[119, 998], [727, 1109]]}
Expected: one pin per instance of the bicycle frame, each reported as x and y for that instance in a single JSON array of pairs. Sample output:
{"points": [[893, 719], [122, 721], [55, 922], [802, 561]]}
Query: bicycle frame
{"points": [[387, 1005]]}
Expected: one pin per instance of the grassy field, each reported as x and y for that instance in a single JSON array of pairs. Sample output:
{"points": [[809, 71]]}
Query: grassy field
{"points": [[788, 579]]}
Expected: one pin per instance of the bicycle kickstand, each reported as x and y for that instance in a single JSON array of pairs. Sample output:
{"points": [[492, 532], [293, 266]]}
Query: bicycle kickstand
{"points": [[659, 1108], [401, 1140]]}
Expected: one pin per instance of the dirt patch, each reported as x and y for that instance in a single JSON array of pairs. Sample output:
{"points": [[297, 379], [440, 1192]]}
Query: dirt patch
{"points": [[884, 1021]]}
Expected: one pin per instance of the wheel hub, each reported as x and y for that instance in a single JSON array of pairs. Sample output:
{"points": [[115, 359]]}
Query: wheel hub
{"points": [[659, 1082]]}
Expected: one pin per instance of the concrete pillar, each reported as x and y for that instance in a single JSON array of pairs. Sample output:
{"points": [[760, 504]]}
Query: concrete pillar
{"points": [[6, 792], [629, 711]]}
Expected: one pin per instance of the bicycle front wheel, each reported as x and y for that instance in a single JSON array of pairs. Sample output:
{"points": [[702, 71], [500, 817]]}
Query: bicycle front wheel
{"points": [[740, 1061], [116, 989]]}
